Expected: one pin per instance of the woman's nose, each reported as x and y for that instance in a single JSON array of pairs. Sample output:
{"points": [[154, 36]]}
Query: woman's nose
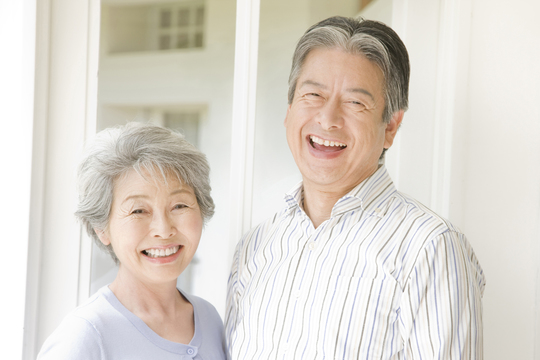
{"points": [[163, 226]]}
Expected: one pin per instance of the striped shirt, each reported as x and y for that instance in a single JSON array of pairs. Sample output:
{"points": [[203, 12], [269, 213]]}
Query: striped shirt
{"points": [[383, 278]]}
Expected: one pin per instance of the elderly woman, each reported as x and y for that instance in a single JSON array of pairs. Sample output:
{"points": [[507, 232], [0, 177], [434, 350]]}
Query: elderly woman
{"points": [[144, 197]]}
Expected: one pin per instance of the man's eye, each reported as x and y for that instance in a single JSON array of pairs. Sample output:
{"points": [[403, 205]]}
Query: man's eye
{"points": [[357, 105], [137, 211], [180, 206]]}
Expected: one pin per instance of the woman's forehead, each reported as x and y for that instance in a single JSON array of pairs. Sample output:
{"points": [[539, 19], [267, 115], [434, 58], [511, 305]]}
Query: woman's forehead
{"points": [[147, 179]]}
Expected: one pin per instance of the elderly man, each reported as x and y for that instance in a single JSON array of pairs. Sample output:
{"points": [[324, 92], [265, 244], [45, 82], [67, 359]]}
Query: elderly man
{"points": [[351, 268]]}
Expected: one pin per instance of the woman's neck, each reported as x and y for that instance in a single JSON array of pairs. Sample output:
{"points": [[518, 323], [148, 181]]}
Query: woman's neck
{"points": [[137, 295], [160, 306]]}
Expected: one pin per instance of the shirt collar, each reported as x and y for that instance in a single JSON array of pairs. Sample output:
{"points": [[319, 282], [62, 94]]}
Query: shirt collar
{"points": [[295, 197], [370, 195]]}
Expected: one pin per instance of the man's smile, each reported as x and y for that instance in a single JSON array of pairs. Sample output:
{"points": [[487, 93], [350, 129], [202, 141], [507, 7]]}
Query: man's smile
{"points": [[325, 145]]}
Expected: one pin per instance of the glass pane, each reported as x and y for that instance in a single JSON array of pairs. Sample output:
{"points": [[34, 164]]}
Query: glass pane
{"points": [[380, 10], [182, 41], [187, 90], [183, 17], [282, 23], [164, 42], [199, 39], [199, 19], [132, 26], [165, 19]]}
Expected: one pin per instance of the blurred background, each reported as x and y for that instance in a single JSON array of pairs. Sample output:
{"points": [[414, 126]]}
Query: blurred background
{"points": [[468, 148]]}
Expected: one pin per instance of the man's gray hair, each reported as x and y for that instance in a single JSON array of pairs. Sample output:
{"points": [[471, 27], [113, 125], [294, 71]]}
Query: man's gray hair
{"points": [[372, 39], [148, 149]]}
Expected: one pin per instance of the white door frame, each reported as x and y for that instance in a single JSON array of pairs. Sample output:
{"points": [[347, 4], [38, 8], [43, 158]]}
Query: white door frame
{"points": [[65, 113]]}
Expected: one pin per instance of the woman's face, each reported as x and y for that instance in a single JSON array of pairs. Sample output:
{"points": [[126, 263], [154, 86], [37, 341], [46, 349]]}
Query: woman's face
{"points": [[154, 227]]}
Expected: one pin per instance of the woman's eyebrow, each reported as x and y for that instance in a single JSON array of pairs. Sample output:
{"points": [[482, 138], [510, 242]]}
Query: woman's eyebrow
{"points": [[134, 197], [182, 190]]}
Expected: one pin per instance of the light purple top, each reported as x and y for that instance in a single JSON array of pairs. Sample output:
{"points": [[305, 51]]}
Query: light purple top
{"points": [[102, 328]]}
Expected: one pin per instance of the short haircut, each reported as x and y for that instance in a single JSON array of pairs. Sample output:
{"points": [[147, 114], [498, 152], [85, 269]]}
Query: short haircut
{"points": [[144, 148], [372, 39]]}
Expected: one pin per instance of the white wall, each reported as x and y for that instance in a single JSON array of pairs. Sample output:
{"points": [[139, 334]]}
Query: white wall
{"points": [[500, 198], [17, 41]]}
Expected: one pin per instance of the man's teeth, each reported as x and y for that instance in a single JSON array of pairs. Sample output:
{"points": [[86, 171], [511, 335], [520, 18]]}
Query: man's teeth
{"points": [[326, 142], [161, 252]]}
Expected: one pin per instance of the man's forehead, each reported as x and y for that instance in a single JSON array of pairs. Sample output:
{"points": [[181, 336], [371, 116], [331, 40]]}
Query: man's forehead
{"points": [[310, 76], [319, 52]]}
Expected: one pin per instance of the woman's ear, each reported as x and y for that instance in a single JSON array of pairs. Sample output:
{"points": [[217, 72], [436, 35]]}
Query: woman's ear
{"points": [[103, 236]]}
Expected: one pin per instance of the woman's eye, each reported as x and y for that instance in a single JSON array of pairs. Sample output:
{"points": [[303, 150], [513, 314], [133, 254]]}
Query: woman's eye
{"points": [[137, 211], [180, 206]]}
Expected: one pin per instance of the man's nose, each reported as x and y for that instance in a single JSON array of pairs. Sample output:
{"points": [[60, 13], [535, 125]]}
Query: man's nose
{"points": [[162, 225], [330, 115]]}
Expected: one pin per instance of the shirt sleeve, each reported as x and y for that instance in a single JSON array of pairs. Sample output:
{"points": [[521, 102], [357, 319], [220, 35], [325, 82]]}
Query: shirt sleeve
{"points": [[441, 308], [74, 339], [233, 295]]}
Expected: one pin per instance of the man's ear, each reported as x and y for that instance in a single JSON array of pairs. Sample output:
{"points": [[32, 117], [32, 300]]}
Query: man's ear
{"points": [[392, 128], [103, 236]]}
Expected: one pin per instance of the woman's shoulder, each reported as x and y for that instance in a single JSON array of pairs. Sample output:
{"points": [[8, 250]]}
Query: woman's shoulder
{"points": [[78, 336], [203, 308], [75, 338]]}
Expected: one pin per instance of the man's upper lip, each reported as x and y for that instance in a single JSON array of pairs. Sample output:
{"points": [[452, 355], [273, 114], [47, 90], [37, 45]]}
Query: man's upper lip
{"points": [[327, 142]]}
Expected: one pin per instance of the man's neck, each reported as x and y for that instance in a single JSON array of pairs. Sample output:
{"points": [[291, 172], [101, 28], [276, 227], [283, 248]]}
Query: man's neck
{"points": [[320, 200], [318, 205]]}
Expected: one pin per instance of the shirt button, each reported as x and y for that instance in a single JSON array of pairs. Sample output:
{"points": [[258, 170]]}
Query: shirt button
{"points": [[377, 210], [312, 246], [190, 351]]}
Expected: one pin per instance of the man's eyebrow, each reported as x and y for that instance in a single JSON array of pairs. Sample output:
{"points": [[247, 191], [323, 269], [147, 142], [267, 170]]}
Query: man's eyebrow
{"points": [[353, 90], [362, 91], [311, 82]]}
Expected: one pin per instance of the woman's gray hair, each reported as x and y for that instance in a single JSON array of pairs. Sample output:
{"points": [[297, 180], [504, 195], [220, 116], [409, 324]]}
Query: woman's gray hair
{"points": [[147, 149], [372, 39]]}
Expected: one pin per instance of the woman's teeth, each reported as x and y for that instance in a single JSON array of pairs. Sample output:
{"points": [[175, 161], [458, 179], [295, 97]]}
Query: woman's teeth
{"points": [[161, 252], [326, 142]]}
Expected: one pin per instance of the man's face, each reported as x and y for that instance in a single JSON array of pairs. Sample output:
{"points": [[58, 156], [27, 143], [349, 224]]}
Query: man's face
{"points": [[334, 124]]}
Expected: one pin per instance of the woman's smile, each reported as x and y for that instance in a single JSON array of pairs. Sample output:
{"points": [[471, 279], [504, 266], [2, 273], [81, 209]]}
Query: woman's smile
{"points": [[163, 255], [161, 252]]}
